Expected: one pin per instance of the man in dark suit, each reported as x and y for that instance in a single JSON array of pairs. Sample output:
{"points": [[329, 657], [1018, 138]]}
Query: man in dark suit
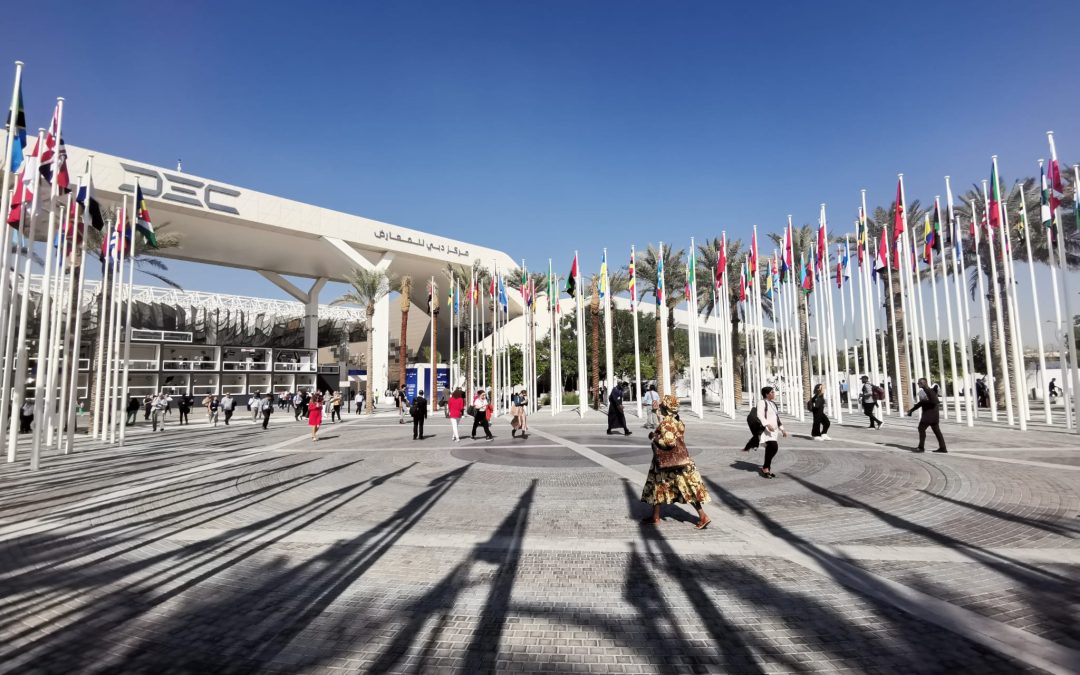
{"points": [[418, 411], [928, 401], [616, 418]]}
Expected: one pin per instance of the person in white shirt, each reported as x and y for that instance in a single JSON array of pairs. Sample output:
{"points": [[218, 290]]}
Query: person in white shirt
{"points": [[480, 413], [773, 428], [651, 401]]}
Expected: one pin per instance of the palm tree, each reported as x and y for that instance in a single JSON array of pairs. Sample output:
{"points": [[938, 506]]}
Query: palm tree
{"points": [[405, 289], [673, 269], [368, 288], [145, 262], [594, 349]]}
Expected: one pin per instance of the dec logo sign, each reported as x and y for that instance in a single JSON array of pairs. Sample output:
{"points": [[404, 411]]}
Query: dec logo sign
{"points": [[180, 189]]}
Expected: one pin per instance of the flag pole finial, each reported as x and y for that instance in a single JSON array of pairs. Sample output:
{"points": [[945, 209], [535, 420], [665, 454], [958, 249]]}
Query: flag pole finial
{"points": [[59, 99], [19, 64], [993, 157]]}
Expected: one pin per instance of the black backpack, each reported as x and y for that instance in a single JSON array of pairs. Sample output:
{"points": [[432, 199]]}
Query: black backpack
{"points": [[754, 422], [414, 409]]}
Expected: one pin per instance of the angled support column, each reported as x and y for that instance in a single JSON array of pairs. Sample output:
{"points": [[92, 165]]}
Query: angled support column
{"points": [[310, 300], [380, 334]]}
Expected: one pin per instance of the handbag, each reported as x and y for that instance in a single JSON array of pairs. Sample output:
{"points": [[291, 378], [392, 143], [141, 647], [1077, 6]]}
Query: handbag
{"points": [[675, 458], [470, 411]]}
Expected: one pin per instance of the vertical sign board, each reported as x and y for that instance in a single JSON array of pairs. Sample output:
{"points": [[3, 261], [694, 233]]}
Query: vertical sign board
{"points": [[444, 381], [410, 383]]}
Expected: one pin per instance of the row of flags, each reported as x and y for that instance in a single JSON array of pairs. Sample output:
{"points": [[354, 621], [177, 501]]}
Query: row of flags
{"points": [[48, 161]]}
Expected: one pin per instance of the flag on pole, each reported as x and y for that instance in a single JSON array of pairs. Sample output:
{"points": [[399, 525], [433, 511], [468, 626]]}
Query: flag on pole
{"points": [[1044, 205], [631, 284], [603, 276], [807, 280], [1056, 186], [502, 295], [721, 261], [768, 285], [821, 252], [450, 298], [142, 219], [742, 282], [882, 261], [90, 205], [23, 192], [841, 261], [928, 240], [995, 198], [691, 271], [660, 278], [429, 304], [753, 255], [785, 265], [571, 280], [898, 212], [53, 161], [18, 131], [457, 300], [845, 262], [863, 227]]}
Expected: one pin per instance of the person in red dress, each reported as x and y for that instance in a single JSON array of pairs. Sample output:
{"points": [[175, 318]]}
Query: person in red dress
{"points": [[315, 415]]}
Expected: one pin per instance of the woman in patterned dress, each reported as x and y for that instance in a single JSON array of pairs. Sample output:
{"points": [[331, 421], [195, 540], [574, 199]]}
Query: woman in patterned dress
{"points": [[677, 485]]}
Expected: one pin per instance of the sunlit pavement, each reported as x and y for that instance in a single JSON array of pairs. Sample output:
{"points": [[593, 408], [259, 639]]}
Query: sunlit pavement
{"points": [[201, 549]]}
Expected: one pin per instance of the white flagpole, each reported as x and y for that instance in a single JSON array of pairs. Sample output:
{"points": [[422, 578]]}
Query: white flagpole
{"points": [[1016, 344], [634, 320], [832, 385], [583, 374], [693, 342], [991, 384], [946, 228], [62, 353], [665, 356], [728, 381], [937, 326], [127, 320], [1047, 415], [58, 292], [470, 383], [998, 313], [963, 313], [716, 339], [1070, 328], [900, 394], [9, 261], [70, 357], [73, 387], [1050, 244], [18, 351], [114, 338], [97, 404], [877, 358], [453, 334], [907, 301], [843, 319], [920, 305], [41, 395], [607, 304]]}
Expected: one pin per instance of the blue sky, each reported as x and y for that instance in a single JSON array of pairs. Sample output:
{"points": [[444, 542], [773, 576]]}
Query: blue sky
{"points": [[542, 126]]}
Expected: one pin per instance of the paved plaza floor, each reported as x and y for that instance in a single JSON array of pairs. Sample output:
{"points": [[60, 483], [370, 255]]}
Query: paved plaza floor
{"points": [[233, 549]]}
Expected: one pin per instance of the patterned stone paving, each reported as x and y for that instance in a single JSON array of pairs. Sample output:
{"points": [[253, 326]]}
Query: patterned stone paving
{"points": [[236, 550]]}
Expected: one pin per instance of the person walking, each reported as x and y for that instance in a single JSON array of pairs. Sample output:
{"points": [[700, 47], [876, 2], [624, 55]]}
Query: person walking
{"points": [[928, 402], [616, 418], [868, 399], [184, 406], [305, 406], [819, 431], [314, 416], [481, 409], [1053, 389], [298, 406], [519, 420], [157, 411], [400, 401], [256, 407], [148, 405], [673, 478], [26, 416], [228, 406], [843, 392], [266, 408], [335, 407], [651, 401], [213, 408], [132, 410], [455, 408], [771, 429], [360, 399], [418, 413]]}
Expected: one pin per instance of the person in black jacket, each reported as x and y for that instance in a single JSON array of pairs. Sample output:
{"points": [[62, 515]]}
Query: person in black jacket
{"points": [[616, 418], [418, 411], [820, 429], [928, 401]]}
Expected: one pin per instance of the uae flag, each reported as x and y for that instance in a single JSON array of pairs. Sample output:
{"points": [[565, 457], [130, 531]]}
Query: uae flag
{"points": [[898, 213], [90, 206], [571, 280], [995, 198]]}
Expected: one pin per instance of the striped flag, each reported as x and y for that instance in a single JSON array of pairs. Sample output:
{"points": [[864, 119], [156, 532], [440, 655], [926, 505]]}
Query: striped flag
{"points": [[19, 131], [142, 219], [632, 283]]}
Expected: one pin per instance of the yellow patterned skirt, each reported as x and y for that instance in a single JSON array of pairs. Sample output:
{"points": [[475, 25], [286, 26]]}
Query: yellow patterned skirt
{"points": [[682, 485]]}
